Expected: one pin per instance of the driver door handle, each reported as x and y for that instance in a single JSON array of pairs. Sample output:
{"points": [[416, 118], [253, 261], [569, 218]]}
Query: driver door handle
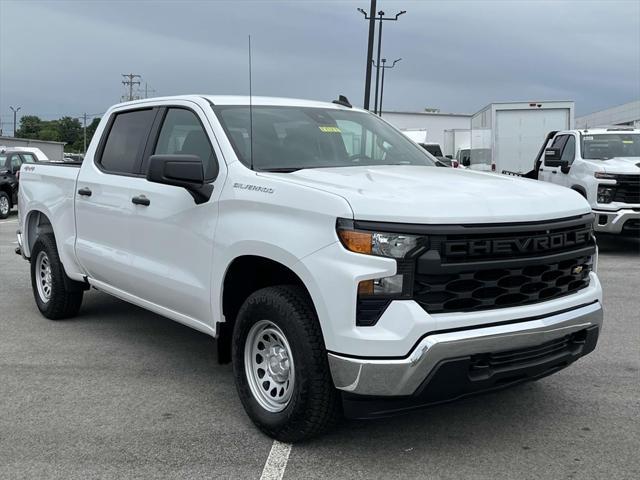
{"points": [[141, 200], [85, 192]]}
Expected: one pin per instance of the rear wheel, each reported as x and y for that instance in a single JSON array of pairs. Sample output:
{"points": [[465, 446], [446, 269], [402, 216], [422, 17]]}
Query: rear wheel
{"points": [[56, 295], [5, 205], [280, 365]]}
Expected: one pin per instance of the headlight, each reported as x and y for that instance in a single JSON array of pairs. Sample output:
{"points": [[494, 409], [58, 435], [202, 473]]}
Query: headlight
{"points": [[393, 245], [604, 176], [605, 194]]}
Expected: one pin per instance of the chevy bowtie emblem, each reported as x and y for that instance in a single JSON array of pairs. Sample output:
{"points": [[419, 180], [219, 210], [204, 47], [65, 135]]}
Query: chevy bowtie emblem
{"points": [[577, 269]]}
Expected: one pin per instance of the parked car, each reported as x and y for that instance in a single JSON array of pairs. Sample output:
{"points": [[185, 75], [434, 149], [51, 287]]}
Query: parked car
{"points": [[602, 165], [339, 275], [10, 163]]}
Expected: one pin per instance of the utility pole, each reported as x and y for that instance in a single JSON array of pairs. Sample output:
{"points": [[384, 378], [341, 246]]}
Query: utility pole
{"points": [[372, 25], [131, 79], [147, 90], [15, 112], [381, 18], [384, 67], [84, 117]]}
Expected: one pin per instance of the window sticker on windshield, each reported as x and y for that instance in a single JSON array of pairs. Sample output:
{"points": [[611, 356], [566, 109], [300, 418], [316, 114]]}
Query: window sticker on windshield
{"points": [[588, 137], [329, 129]]}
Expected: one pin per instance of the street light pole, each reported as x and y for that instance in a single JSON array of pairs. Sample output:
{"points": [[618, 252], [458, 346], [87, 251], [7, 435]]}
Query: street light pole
{"points": [[381, 13], [384, 67], [373, 17], [15, 112], [367, 78]]}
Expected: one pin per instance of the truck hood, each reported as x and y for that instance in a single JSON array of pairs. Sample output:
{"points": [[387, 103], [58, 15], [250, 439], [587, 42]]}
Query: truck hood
{"points": [[624, 165], [431, 195]]}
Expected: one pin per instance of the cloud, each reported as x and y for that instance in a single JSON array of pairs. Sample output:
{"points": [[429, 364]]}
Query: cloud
{"points": [[67, 56]]}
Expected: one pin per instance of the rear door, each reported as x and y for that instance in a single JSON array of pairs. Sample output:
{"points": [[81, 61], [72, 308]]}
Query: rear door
{"points": [[104, 212], [172, 237]]}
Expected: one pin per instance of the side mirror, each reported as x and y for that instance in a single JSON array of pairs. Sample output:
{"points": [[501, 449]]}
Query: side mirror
{"points": [[552, 157], [565, 167], [186, 171]]}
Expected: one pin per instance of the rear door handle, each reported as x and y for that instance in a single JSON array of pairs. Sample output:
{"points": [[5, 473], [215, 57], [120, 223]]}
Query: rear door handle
{"points": [[141, 200], [554, 171], [85, 192]]}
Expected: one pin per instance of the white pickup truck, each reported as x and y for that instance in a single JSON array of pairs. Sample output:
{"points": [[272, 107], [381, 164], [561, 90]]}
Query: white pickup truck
{"points": [[338, 269], [603, 165]]}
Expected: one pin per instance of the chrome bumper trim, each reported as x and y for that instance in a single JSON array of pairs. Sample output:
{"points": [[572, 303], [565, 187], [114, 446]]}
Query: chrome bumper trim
{"points": [[616, 219], [395, 377]]}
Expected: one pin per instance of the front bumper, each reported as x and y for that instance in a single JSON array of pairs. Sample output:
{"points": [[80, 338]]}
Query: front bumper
{"points": [[398, 377], [615, 221]]}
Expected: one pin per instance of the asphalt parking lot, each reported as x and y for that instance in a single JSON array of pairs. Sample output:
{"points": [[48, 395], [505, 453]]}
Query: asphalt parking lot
{"points": [[119, 392]]}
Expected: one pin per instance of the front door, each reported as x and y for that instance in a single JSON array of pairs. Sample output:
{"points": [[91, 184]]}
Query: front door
{"points": [[172, 237], [551, 172]]}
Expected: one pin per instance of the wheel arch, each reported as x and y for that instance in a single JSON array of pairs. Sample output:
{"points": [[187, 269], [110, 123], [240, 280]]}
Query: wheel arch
{"points": [[36, 223], [244, 275], [580, 189]]}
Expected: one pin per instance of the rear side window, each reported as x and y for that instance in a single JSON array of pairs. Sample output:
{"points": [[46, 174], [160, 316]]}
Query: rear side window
{"points": [[126, 141], [183, 134], [28, 158]]}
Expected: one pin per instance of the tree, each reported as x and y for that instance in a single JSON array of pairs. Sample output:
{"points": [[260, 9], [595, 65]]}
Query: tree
{"points": [[30, 126], [69, 130]]}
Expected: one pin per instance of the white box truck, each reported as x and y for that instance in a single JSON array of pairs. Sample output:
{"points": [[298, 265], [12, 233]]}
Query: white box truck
{"points": [[456, 139], [506, 136]]}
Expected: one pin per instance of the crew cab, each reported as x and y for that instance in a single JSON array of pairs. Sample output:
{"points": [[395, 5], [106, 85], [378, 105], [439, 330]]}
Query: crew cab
{"points": [[339, 270], [10, 163], [603, 165]]}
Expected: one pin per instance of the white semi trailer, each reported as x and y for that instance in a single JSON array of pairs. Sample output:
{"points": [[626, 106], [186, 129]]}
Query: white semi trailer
{"points": [[506, 136]]}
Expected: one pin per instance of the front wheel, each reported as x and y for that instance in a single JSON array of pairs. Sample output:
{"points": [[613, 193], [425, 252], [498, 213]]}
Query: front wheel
{"points": [[280, 365], [56, 295]]}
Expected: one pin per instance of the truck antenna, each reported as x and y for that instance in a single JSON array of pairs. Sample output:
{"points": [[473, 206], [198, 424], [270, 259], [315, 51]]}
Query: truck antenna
{"points": [[250, 111]]}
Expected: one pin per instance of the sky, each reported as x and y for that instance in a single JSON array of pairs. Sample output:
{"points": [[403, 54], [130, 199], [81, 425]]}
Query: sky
{"points": [[62, 57]]}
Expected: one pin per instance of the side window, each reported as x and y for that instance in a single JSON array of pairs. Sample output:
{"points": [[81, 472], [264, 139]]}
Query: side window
{"points": [[126, 141], [28, 158], [15, 162], [557, 143], [569, 152], [183, 134]]}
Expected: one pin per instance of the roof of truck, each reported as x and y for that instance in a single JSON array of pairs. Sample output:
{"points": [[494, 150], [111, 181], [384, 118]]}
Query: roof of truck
{"points": [[244, 100], [605, 130]]}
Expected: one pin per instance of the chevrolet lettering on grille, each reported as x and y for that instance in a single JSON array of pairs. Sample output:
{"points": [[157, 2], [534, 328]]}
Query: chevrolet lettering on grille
{"points": [[535, 244]]}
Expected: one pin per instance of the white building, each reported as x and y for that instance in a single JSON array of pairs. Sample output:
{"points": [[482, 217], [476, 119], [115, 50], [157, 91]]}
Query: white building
{"points": [[627, 114], [53, 150], [434, 123]]}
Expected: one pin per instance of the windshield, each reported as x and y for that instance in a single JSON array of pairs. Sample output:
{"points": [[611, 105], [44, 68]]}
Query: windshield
{"points": [[3, 159], [480, 156], [606, 146], [292, 138]]}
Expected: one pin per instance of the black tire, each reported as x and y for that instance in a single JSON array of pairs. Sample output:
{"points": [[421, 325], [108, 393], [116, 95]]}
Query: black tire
{"points": [[5, 197], [65, 295], [314, 406]]}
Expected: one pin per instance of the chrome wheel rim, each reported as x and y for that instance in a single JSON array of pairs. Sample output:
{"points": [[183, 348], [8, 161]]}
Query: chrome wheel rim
{"points": [[269, 366], [4, 205], [43, 276]]}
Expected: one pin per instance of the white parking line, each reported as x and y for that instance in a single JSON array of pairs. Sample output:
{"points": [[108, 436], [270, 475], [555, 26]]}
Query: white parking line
{"points": [[8, 221], [276, 462]]}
